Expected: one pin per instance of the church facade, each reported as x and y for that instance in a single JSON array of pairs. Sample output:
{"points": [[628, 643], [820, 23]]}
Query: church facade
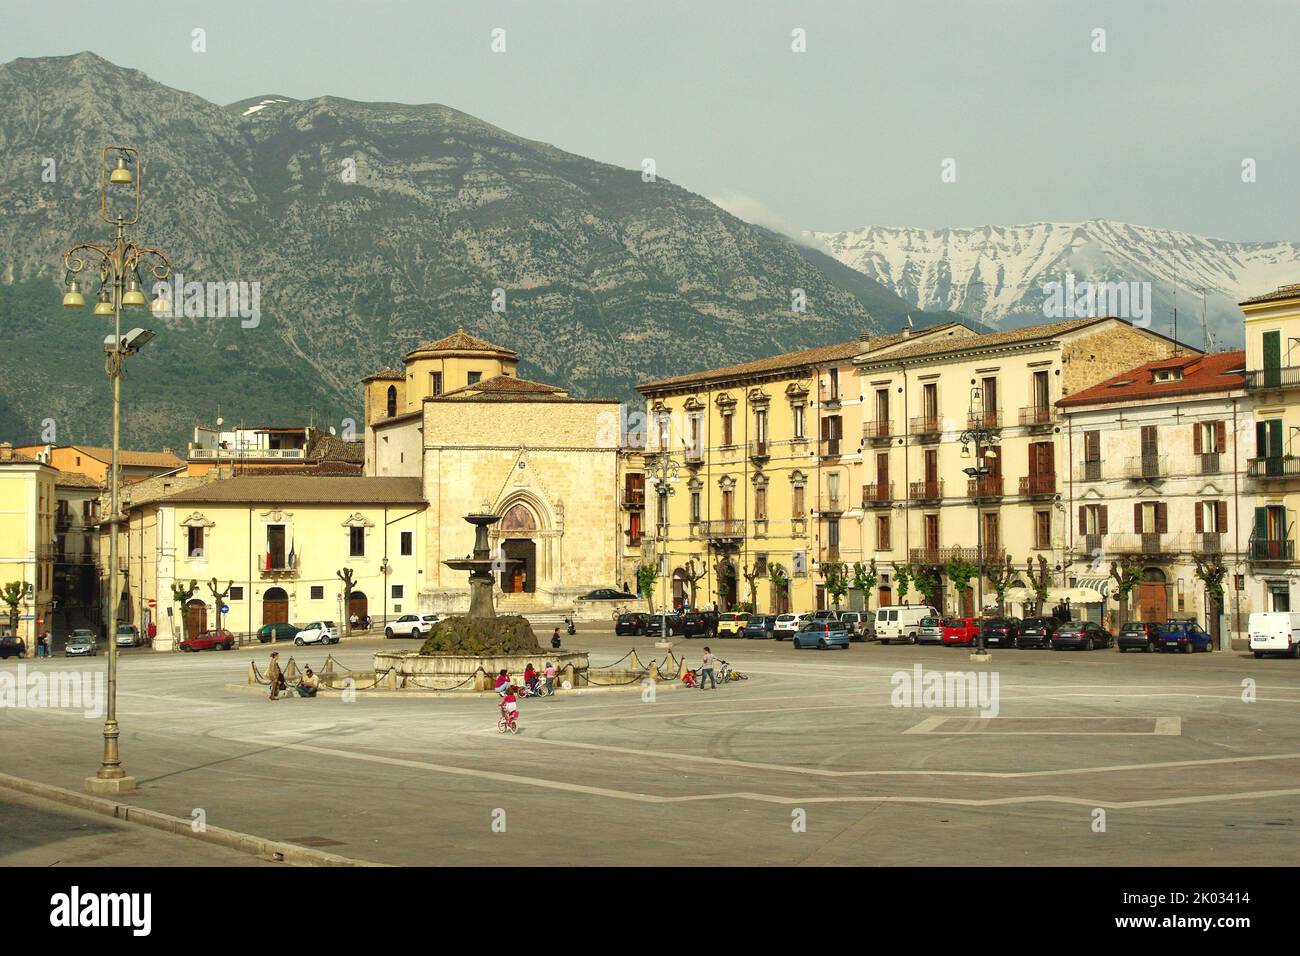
{"points": [[481, 439]]}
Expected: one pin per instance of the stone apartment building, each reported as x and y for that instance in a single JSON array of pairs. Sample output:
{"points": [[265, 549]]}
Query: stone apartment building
{"points": [[1159, 457], [853, 452]]}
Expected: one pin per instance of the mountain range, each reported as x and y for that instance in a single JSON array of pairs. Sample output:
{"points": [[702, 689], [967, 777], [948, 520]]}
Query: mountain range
{"points": [[997, 274], [369, 228]]}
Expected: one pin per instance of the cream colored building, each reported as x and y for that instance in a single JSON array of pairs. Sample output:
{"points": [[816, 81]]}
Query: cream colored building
{"points": [[27, 510], [1272, 323], [1159, 477], [278, 543], [853, 452]]}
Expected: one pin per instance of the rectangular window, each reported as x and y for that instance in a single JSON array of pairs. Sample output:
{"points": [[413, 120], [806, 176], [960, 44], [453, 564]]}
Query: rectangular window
{"points": [[930, 401], [357, 542], [726, 430], [796, 502], [1092, 446], [662, 511], [236, 593], [835, 384], [695, 507], [407, 543], [435, 383], [882, 533], [1042, 393], [275, 554], [474, 377], [663, 432], [799, 423], [398, 592], [194, 547], [992, 539], [932, 532], [760, 426], [318, 592], [760, 503], [1043, 530], [989, 399], [882, 407]]}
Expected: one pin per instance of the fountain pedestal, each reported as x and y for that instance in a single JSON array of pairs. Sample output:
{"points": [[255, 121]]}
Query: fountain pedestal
{"points": [[481, 567]]}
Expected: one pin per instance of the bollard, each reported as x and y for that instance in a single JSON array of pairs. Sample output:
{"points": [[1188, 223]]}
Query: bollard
{"points": [[252, 673]]}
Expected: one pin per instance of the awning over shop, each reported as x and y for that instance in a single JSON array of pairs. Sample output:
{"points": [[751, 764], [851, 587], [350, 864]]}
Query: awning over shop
{"points": [[1083, 594]]}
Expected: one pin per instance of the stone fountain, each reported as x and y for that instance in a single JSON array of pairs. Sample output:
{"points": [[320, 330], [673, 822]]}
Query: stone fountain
{"points": [[481, 565]]}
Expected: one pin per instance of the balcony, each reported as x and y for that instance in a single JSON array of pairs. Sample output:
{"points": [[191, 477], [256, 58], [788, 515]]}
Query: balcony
{"points": [[277, 573], [1271, 550], [721, 530], [1090, 544], [829, 447], [938, 557], [1038, 486], [926, 428], [760, 527], [879, 495], [1147, 467], [1037, 418], [1272, 468], [634, 537], [760, 449], [1208, 542], [990, 418], [877, 433], [634, 499], [247, 454], [925, 490], [694, 454], [986, 486], [828, 554], [1150, 543], [831, 504], [1089, 471], [829, 396], [1267, 378], [1207, 463]]}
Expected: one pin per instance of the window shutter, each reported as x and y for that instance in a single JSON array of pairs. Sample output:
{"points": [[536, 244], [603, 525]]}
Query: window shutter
{"points": [[1261, 440], [1162, 518], [1221, 507], [1102, 526], [1083, 520], [1137, 517], [1220, 437], [1200, 520], [1196, 439]]}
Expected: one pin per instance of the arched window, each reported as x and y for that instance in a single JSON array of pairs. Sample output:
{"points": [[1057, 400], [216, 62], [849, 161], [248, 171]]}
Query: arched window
{"points": [[392, 400]]}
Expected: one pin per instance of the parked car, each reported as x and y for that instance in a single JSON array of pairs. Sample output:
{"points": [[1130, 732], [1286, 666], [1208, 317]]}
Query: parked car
{"points": [[128, 635], [824, 615], [633, 623], [607, 594], [215, 640], [960, 630], [786, 625], [408, 625], [1083, 635], [283, 631], [320, 632], [931, 630], [732, 623], [1274, 632], [856, 622], [1036, 632], [695, 624], [80, 643], [902, 622], [656, 624], [1185, 636], [1000, 631], [1137, 635], [11, 646], [821, 634], [760, 626]]}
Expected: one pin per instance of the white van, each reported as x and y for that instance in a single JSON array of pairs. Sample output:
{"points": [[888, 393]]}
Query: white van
{"points": [[1274, 632], [901, 622]]}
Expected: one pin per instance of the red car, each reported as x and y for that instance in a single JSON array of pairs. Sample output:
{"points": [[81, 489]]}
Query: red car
{"points": [[221, 640], [960, 630]]}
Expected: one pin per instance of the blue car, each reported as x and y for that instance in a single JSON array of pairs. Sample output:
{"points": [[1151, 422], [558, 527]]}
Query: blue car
{"points": [[759, 626], [821, 634], [1185, 636]]}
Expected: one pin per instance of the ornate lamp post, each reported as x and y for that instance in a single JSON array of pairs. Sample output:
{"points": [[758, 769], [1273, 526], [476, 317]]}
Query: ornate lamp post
{"points": [[980, 435], [118, 263], [663, 475]]}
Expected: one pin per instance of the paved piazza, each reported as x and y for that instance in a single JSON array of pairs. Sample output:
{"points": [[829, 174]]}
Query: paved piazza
{"points": [[1162, 749]]}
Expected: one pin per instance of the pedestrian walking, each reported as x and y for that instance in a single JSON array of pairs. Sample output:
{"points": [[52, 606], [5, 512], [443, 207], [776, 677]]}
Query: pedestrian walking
{"points": [[706, 670], [275, 675], [550, 678]]}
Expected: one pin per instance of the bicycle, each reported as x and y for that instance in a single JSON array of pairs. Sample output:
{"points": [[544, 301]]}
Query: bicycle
{"points": [[509, 720], [725, 672]]}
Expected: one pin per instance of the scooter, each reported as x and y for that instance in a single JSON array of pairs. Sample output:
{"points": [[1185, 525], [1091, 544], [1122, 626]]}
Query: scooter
{"points": [[568, 626]]}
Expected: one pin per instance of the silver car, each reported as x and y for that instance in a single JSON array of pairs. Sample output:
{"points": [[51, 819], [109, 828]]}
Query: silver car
{"points": [[128, 635], [931, 631]]}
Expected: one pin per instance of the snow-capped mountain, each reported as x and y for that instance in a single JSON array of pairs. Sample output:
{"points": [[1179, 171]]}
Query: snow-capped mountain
{"points": [[998, 273]]}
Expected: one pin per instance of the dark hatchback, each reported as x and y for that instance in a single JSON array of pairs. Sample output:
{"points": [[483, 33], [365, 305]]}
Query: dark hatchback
{"points": [[12, 647], [760, 626], [655, 624], [695, 624], [1185, 636], [1080, 635], [1037, 632], [1137, 636], [1000, 631], [634, 623]]}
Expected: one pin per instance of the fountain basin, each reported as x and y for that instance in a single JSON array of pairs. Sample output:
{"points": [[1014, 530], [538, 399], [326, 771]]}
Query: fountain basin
{"points": [[437, 671]]}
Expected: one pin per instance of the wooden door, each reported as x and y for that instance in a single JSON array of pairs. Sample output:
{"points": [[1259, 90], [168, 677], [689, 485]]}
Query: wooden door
{"points": [[1153, 603], [275, 606], [196, 618]]}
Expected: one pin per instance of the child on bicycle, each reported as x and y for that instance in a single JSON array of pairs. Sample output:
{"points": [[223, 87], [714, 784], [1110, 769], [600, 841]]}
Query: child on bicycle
{"points": [[509, 703]]}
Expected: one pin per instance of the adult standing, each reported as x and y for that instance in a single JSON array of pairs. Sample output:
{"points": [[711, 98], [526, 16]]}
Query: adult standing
{"points": [[275, 675], [706, 670]]}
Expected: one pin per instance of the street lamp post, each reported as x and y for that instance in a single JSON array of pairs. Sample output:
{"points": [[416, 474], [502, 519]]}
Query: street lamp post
{"points": [[118, 263], [663, 475], [979, 434]]}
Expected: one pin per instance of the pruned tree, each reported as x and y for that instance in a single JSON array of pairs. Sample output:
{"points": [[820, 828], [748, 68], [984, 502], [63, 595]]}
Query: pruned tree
{"points": [[181, 595], [864, 580], [13, 596], [780, 578], [349, 579], [836, 576], [1126, 573], [928, 581], [903, 574], [960, 572], [694, 575], [1000, 577], [1040, 579], [750, 574], [1211, 572], [646, 576], [219, 597]]}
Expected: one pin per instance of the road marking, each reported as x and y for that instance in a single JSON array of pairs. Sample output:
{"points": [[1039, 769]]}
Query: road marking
{"points": [[1078, 727]]}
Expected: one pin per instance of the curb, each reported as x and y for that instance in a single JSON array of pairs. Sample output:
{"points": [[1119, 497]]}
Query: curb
{"points": [[273, 850], [329, 693]]}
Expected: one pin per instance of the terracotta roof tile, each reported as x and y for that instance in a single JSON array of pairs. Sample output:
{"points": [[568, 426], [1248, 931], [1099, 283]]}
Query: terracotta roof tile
{"points": [[503, 385], [462, 341], [1277, 295], [1202, 374], [943, 345], [135, 459], [306, 489]]}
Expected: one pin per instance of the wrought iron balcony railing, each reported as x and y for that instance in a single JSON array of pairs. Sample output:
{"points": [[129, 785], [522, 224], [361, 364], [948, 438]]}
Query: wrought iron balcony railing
{"points": [[1285, 377], [879, 495], [1035, 486], [925, 490]]}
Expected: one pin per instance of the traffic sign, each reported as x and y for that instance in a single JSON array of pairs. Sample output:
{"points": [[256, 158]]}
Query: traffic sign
{"points": [[225, 609]]}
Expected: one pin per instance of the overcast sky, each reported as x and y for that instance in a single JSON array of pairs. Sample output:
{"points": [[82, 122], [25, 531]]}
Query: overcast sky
{"points": [[851, 132]]}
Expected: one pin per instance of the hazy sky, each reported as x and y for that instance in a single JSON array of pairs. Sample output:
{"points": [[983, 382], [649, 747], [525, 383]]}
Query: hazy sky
{"points": [[851, 132]]}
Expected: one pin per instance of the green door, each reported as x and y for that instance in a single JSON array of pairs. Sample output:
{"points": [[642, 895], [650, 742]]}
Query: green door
{"points": [[1272, 359]]}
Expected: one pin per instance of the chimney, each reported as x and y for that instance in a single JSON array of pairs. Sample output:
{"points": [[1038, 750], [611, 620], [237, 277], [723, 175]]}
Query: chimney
{"points": [[6, 451]]}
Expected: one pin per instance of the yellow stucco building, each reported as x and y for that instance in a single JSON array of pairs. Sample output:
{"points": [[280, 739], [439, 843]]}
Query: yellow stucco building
{"points": [[27, 512]]}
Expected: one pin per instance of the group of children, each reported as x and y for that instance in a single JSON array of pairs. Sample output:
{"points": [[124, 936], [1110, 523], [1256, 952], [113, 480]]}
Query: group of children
{"points": [[509, 691]]}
